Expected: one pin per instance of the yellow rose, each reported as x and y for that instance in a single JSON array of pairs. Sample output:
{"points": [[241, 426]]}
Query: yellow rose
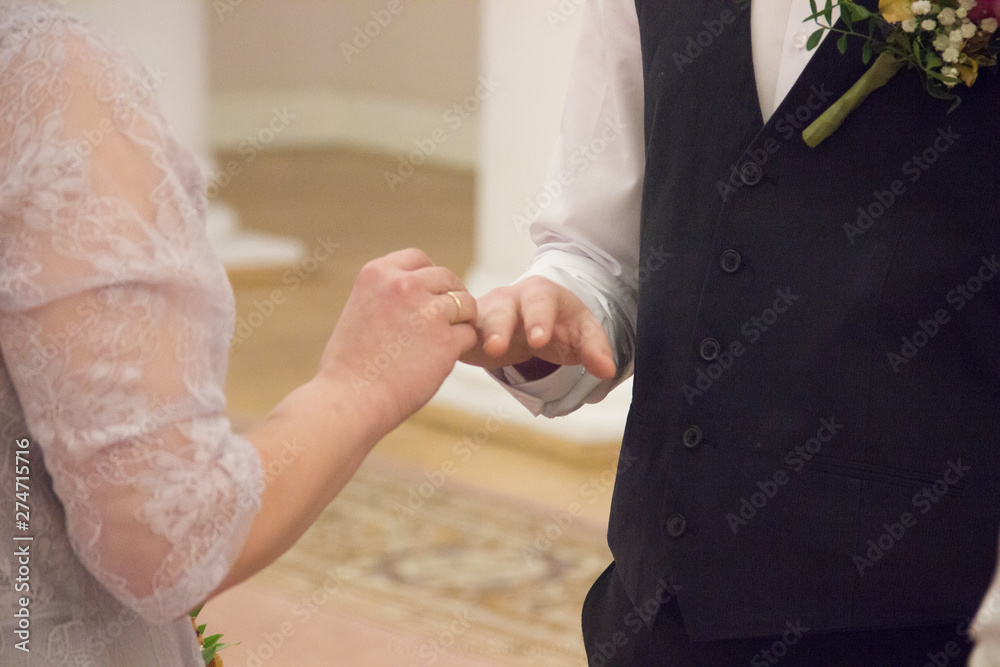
{"points": [[894, 11]]}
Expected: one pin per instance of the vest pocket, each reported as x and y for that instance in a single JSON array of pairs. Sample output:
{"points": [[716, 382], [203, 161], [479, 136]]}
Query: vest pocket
{"points": [[884, 475]]}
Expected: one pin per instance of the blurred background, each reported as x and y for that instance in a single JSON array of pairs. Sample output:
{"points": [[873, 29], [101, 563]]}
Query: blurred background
{"points": [[332, 132]]}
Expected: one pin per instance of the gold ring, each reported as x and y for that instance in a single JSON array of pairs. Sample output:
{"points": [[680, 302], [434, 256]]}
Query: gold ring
{"points": [[458, 302]]}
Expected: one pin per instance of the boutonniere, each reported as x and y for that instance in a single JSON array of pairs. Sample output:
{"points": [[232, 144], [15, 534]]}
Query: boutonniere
{"points": [[946, 42]]}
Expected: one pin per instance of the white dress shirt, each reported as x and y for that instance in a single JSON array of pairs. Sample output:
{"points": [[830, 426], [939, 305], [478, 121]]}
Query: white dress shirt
{"points": [[589, 237]]}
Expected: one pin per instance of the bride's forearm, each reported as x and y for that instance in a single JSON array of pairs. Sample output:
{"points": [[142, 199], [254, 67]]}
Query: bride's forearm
{"points": [[310, 446], [402, 308]]}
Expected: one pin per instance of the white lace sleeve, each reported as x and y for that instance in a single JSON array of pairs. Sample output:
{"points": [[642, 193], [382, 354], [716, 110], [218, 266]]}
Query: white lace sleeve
{"points": [[115, 317]]}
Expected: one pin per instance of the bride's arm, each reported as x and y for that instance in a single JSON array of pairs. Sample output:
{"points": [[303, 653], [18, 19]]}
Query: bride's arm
{"points": [[312, 443], [115, 320]]}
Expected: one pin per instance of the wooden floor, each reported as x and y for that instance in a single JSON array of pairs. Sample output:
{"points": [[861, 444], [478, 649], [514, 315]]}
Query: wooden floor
{"points": [[342, 198]]}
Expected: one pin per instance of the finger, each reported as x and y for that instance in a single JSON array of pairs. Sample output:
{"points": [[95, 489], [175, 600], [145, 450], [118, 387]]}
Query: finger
{"points": [[450, 308], [593, 348], [498, 318], [538, 310], [465, 337], [439, 279], [462, 307], [410, 259]]}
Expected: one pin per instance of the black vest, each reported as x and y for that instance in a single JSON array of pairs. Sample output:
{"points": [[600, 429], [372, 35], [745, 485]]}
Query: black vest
{"points": [[815, 426]]}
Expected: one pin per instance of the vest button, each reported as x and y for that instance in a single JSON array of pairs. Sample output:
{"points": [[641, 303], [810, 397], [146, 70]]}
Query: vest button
{"points": [[751, 173], [691, 437], [709, 349], [676, 525], [730, 261]]}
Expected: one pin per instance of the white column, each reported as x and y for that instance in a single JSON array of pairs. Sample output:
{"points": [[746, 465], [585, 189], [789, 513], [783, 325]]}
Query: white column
{"points": [[169, 37], [526, 46]]}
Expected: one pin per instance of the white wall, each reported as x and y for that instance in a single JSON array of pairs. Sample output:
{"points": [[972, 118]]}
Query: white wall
{"points": [[371, 74]]}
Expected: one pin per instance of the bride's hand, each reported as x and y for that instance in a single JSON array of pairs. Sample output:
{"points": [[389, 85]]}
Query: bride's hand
{"points": [[405, 324]]}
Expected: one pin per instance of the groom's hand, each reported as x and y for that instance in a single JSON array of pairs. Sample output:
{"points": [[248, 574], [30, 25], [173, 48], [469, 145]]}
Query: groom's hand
{"points": [[536, 318]]}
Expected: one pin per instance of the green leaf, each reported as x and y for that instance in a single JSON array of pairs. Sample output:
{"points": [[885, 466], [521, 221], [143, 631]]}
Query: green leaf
{"points": [[845, 15], [857, 12], [842, 43], [866, 53], [829, 11], [814, 39], [201, 628]]}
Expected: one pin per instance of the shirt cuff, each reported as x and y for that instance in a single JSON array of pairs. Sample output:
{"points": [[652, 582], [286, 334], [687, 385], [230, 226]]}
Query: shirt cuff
{"points": [[557, 394], [569, 387]]}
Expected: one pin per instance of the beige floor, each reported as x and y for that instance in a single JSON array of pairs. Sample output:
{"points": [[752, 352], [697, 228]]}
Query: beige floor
{"points": [[343, 198]]}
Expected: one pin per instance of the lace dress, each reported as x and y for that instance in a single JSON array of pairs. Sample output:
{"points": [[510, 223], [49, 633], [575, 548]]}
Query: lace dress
{"points": [[115, 318]]}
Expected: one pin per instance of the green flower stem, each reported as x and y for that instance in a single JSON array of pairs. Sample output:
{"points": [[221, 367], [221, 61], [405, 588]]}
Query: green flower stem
{"points": [[880, 73]]}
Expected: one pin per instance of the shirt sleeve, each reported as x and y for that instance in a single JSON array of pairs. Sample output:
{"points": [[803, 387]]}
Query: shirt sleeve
{"points": [[588, 238], [115, 318]]}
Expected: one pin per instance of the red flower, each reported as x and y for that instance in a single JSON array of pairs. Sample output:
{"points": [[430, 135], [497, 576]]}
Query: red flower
{"points": [[985, 9]]}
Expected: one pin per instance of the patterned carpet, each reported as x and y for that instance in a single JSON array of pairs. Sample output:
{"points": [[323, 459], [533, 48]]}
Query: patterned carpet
{"points": [[482, 575]]}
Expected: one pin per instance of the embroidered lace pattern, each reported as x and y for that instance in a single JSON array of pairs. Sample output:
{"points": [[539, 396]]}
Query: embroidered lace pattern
{"points": [[115, 318]]}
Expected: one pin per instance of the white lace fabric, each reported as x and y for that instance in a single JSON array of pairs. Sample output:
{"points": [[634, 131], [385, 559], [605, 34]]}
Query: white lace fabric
{"points": [[115, 319]]}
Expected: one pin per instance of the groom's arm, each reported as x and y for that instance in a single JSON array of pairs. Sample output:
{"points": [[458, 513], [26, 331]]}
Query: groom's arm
{"points": [[588, 237]]}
